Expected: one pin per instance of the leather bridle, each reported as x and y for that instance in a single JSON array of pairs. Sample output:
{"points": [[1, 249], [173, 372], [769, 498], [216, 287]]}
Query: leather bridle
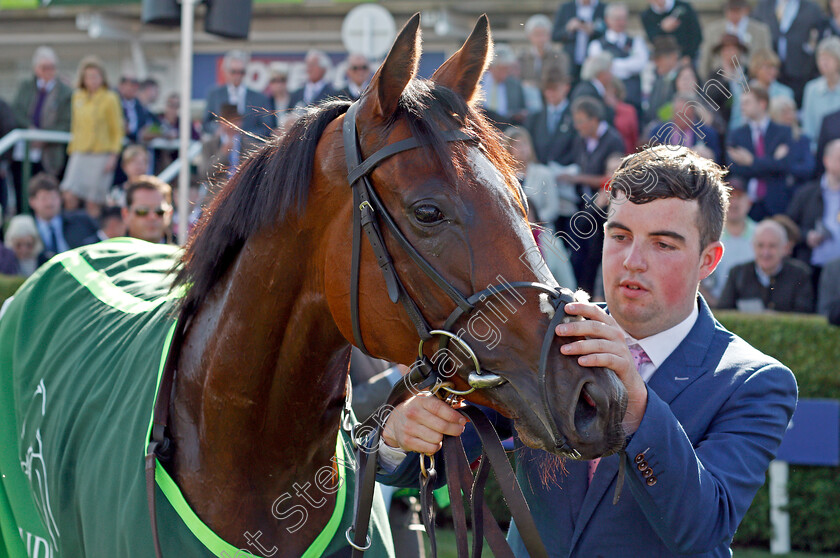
{"points": [[368, 213]]}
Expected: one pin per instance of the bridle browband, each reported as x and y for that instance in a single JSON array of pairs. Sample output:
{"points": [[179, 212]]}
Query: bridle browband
{"points": [[368, 210]]}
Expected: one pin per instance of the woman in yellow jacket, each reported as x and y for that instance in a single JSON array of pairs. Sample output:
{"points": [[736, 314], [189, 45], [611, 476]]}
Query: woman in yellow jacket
{"points": [[97, 131]]}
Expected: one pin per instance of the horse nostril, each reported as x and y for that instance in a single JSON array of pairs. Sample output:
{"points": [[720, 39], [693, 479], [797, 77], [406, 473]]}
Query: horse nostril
{"points": [[586, 410]]}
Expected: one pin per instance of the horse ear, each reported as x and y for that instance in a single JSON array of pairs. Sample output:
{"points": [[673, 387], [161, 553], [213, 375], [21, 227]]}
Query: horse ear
{"points": [[462, 72], [399, 67]]}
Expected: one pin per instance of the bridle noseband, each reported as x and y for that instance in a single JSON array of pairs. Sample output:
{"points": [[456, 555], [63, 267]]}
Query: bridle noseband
{"points": [[366, 207]]}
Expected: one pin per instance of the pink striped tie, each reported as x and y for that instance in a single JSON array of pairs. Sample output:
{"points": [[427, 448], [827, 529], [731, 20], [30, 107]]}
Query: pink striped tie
{"points": [[639, 357]]}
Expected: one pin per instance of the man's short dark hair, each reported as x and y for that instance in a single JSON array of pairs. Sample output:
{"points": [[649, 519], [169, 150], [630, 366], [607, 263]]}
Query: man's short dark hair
{"points": [[760, 94], [148, 182], [668, 171], [42, 181], [590, 106], [664, 45]]}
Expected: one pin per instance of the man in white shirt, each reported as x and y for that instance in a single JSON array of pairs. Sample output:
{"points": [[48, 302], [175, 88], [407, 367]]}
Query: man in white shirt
{"points": [[697, 394], [254, 107], [630, 54]]}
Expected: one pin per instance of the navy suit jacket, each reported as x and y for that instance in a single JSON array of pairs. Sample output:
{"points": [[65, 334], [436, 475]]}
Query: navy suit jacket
{"points": [[257, 119], [555, 146], [296, 96], [565, 12], [773, 171], [716, 413]]}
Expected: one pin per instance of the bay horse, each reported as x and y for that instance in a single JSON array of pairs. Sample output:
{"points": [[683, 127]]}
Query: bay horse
{"points": [[266, 311]]}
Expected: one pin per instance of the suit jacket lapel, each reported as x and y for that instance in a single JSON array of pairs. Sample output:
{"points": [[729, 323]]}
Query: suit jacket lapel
{"points": [[680, 369]]}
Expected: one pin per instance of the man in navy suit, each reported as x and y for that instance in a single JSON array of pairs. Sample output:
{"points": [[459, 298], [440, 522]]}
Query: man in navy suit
{"points": [[759, 152], [706, 411], [576, 23], [255, 108], [551, 127], [317, 87]]}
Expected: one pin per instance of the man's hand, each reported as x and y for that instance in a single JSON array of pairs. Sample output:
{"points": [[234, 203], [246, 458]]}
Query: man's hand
{"points": [[604, 346], [670, 24], [419, 424], [741, 155]]}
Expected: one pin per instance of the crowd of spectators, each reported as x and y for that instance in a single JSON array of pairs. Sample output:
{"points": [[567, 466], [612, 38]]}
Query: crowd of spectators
{"points": [[757, 90]]}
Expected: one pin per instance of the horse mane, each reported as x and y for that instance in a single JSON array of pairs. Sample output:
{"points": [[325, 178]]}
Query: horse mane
{"points": [[274, 180]]}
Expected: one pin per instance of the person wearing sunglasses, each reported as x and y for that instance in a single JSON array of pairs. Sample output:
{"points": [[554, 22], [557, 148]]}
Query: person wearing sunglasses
{"points": [[148, 210], [358, 76], [254, 107]]}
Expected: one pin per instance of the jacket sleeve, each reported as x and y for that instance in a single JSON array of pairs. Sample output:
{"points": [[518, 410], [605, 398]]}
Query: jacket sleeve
{"points": [[702, 491], [116, 126], [804, 299]]}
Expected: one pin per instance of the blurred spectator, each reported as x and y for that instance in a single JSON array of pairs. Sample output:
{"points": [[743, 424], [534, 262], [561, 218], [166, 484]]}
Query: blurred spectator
{"points": [[666, 60], [135, 114], [769, 282], [802, 162], [224, 149], [816, 209], [540, 53], [59, 231], [317, 87], [7, 124], [737, 240], [764, 70], [752, 33], [760, 152], [594, 77], [358, 76], [626, 119], [148, 93], [832, 28], [537, 179], [793, 237], [551, 128], [42, 102], [134, 163], [148, 210], [504, 98], [828, 299], [23, 244], [596, 141], [576, 23], [795, 30], [731, 72], [111, 224], [279, 96], [830, 130], [677, 19], [822, 95], [166, 126], [253, 105], [97, 132], [629, 54], [688, 127]]}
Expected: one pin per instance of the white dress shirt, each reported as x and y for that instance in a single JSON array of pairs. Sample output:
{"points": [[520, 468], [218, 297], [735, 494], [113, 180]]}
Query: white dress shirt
{"points": [[624, 68]]}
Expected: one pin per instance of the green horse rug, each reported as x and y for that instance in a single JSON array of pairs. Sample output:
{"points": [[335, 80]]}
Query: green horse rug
{"points": [[82, 346]]}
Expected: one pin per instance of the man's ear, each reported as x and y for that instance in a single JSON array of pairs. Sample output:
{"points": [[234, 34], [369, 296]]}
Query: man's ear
{"points": [[710, 258]]}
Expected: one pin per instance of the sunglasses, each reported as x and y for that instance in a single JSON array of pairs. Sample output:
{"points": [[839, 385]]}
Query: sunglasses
{"points": [[238, 72], [357, 68], [278, 80], [142, 211]]}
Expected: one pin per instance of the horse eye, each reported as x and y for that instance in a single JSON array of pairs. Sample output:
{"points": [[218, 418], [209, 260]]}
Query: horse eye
{"points": [[428, 214]]}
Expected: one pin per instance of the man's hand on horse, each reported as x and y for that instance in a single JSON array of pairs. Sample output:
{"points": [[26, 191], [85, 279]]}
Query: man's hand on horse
{"points": [[419, 424], [604, 346]]}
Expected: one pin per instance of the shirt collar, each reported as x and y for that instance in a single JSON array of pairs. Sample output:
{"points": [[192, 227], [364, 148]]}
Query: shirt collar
{"points": [[669, 5], [763, 278], [760, 126], [660, 345], [48, 85], [614, 37], [599, 87]]}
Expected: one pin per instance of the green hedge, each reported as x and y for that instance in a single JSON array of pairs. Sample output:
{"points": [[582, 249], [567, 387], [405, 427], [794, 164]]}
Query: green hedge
{"points": [[8, 285], [811, 348]]}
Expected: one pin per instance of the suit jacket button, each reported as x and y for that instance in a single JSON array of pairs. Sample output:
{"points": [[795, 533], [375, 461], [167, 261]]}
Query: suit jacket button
{"points": [[640, 458], [651, 481], [647, 473], [642, 465]]}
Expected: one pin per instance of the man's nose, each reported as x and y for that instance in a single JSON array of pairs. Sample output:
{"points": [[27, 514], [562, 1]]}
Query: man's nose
{"points": [[635, 258]]}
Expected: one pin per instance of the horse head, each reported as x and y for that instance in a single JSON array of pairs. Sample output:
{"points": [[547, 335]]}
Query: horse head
{"points": [[448, 190]]}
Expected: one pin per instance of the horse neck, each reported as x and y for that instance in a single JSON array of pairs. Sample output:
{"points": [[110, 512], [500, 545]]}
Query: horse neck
{"points": [[261, 377]]}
